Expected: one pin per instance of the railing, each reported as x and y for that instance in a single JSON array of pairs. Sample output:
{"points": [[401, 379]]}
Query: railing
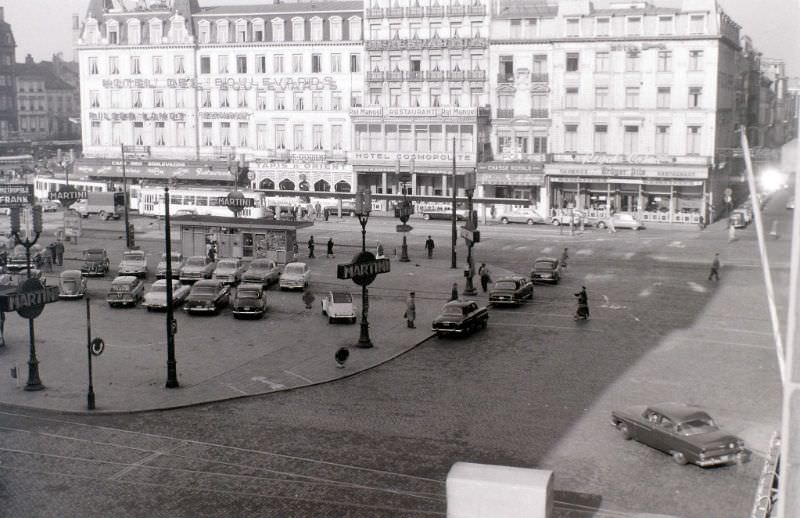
{"points": [[426, 43], [394, 12], [456, 10], [505, 113], [374, 12], [504, 77], [456, 75], [476, 10], [415, 12], [477, 75], [415, 75], [282, 155], [376, 75], [540, 113], [435, 75], [395, 75], [540, 77], [435, 12]]}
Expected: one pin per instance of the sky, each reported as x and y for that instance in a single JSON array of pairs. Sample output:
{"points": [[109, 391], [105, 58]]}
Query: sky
{"points": [[43, 27]]}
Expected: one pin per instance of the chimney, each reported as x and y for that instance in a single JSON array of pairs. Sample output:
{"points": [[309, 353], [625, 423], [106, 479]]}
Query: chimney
{"points": [[29, 59]]}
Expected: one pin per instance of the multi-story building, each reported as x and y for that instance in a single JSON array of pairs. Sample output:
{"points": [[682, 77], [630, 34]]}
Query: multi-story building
{"points": [[45, 102], [8, 93], [425, 104]]}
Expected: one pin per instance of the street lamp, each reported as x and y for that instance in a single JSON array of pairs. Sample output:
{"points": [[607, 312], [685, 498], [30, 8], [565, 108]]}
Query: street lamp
{"points": [[128, 238], [172, 324], [453, 234], [471, 236], [363, 206], [404, 210]]}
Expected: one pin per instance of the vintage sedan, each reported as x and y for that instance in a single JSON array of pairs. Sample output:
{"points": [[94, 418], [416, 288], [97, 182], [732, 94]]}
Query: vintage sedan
{"points": [[126, 290], [460, 317], [197, 267], [621, 220], [262, 271], [546, 269], [207, 296], [511, 290], [229, 270], [527, 216], [95, 262], [685, 432], [156, 297], [250, 300], [134, 262], [338, 305], [18, 259], [177, 263], [71, 285], [294, 276]]}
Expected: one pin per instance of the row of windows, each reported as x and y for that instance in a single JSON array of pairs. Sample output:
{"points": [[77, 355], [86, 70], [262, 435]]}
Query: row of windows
{"points": [[631, 139], [242, 31], [430, 29], [605, 26], [135, 66], [414, 137], [131, 32], [435, 97], [32, 123], [603, 99], [633, 60], [241, 64], [435, 63]]}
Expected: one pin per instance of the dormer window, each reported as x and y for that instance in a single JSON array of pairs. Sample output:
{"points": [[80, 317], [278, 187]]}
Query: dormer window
{"points": [[355, 28], [277, 30], [697, 24], [222, 31], [258, 30], [156, 32], [573, 28], [665, 25], [335, 25], [298, 29], [602, 27], [633, 26], [204, 31], [92, 33], [177, 28], [241, 31], [316, 29], [112, 32]]}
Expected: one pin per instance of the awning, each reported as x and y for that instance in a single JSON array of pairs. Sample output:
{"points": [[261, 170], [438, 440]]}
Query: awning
{"points": [[194, 170]]}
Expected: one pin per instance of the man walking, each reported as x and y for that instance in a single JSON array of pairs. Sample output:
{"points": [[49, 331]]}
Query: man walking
{"points": [[329, 252], [429, 247], [311, 247], [411, 310], [453, 292], [714, 268], [583, 304], [564, 257], [486, 278], [59, 253]]}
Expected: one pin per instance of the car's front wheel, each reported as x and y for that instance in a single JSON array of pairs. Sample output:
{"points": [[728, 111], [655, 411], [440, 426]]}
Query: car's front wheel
{"points": [[504, 221], [426, 217], [555, 222], [601, 224], [679, 458], [529, 222], [624, 430]]}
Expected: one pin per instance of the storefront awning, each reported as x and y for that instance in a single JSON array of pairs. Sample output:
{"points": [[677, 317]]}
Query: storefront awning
{"points": [[190, 170]]}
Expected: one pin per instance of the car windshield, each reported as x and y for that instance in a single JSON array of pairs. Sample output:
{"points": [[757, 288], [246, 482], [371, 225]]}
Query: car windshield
{"points": [[505, 285], [70, 284], [158, 288], [341, 297], [131, 257], [203, 290], [94, 256], [249, 294], [544, 265], [295, 269], [259, 265], [226, 264], [196, 261], [452, 311], [697, 426], [121, 287], [175, 257]]}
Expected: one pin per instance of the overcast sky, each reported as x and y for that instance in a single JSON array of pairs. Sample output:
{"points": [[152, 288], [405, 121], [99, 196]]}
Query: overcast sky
{"points": [[43, 27]]}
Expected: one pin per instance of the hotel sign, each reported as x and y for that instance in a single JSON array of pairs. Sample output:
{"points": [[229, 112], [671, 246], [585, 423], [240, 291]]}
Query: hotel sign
{"points": [[369, 158], [137, 116], [629, 159]]}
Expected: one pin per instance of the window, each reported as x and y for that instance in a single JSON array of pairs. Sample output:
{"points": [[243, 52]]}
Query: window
{"points": [[242, 134], [135, 65], [662, 140], [663, 97], [277, 30], [298, 29], [695, 60], [261, 101], [632, 61], [697, 24], [336, 101], [455, 29], [602, 27], [336, 137], [516, 29], [179, 68], [455, 97], [297, 138], [573, 29], [280, 137], [355, 63], [156, 32], [113, 33], [355, 28], [336, 63], [394, 97], [261, 136], [223, 99], [160, 133], [241, 64], [630, 141], [222, 64], [180, 98], [205, 64], [298, 101], [414, 97], [316, 137], [138, 133], [277, 63], [180, 134], [116, 133], [355, 99], [95, 133], [204, 32], [316, 29], [476, 32], [335, 28], [632, 97], [297, 63], [664, 61], [241, 31], [572, 61], [206, 99], [601, 60], [634, 26], [134, 33], [693, 140], [93, 66], [116, 99], [258, 30], [94, 99], [570, 138], [571, 98], [394, 31], [136, 98], [261, 64], [695, 96], [601, 97], [158, 98], [421, 138], [241, 98], [316, 63], [600, 133], [222, 31], [280, 102], [664, 25], [225, 133]]}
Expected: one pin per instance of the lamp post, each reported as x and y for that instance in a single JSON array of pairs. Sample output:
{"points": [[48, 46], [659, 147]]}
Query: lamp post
{"points": [[363, 206], [454, 234], [128, 241], [471, 235], [404, 210], [172, 324]]}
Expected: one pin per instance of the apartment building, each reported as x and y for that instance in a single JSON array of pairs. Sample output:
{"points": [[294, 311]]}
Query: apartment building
{"points": [[8, 93]]}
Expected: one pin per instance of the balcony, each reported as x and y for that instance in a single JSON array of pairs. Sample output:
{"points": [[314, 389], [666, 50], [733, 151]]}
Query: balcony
{"points": [[337, 155], [476, 75], [395, 75], [374, 12], [394, 12], [426, 43], [456, 75], [415, 12], [435, 75], [505, 77], [415, 75], [476, 10], [540, 113], [456, 10], [376, 75], [435, 12], [505, 113], [540, 77]]}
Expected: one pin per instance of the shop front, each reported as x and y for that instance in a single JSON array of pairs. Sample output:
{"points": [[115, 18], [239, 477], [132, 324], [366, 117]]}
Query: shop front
{"points": [[515, 180], [659, 193], [312, 174]]}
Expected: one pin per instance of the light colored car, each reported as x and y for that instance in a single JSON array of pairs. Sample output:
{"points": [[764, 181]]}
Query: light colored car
{"points": [[177, 263], [250, 300], [134, 262], [229, 270], [15, 278], [262, 271], [527, 216], [71, 285], [125, 290], [196, 268], [563, 218], [156, 297], [294, 276], [50, 205], [338, 305], [621, 220]]}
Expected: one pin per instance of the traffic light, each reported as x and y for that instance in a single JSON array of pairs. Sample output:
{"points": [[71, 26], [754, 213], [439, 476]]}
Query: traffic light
{"points": [[36, 210]]}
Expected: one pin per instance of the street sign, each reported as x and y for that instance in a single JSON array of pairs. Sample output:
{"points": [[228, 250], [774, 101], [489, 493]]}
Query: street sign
{"points": [[16, 194], [30, 298], [67, 195], [236, 201], [97, 346], [363, 269], [471, 235], [404, 228]]}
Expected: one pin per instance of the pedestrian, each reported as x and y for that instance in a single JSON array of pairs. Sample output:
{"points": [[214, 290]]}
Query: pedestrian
{"points": [[731, 231], [212, 254], [311, 247], [47, 263], [454, 292], [318, 210], [59, 253], [51, 249], [485, 275], [429, 246], [714, 268], [583, 305], [493, 212], [702, 223], [379, 250], [564, 257], [411, 310], [610, 220], [329, 252]]}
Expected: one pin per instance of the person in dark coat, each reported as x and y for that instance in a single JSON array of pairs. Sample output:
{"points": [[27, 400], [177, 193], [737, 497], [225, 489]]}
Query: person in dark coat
{"points": [[311, 247], [563, 259], [59, 253], [429, 246], [411, 311], [583, 304], [51, 249], [329, 252], [454, 292], [714, 268], [485, 275]]}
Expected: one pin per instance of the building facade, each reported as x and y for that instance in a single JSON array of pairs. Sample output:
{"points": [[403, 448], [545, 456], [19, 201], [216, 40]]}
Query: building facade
{"points": [[8, 93], [45, 102]]}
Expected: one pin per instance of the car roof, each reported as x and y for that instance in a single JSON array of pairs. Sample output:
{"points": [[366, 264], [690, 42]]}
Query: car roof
{"points": [[95, 250], [68, 274], [679, 412], [296, 263], [459, 303], [250, 286], [124, 279], [207, 282], [135, 252], [163, 282], [545, 258], [512, 278]]}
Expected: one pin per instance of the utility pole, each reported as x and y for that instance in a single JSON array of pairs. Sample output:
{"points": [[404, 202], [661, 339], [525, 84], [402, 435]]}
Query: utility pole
{"points": [[172, 324], [454, 234], [128, 242]]}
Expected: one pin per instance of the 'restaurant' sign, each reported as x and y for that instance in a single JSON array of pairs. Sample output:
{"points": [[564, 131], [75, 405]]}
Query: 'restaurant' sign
{"points": [[16, 194]]}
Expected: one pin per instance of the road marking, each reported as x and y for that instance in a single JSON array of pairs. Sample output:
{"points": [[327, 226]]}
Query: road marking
{"points": [[521, 248], [585, 251], [724, 342], [676, 244], [265, 381], [141, 462], [696, 287], [629, 255], [645, 292], [236, 389], [599, 277], [607, 304], [538, 326], [299, 376]]}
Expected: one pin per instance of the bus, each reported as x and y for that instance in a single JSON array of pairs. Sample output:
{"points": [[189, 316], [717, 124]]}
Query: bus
{"points": [[201, 201]]}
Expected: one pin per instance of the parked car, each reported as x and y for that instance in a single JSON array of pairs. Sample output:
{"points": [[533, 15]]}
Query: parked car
{"points": [[528, 216], [738, 219], [71, 285], [685, 432], [177, 263], [621, 220], [196, 268], [563, 218], [18, 259], [134, 262], [250, 300], [15, 278], [294, 276], [348, 209], [126, 290], [511, 290], [338, 305], [443, 213], [156, 297], [262, 271], [95, 262], [207, 296], [460, 317], [229, 270], [546, 269], [49, 205]]}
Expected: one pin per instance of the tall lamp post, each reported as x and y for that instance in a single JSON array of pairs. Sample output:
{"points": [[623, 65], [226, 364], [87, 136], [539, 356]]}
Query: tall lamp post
{"points": [[404, 211], [471, 235], [363, 206], [128, 238], [454, 234], [172, 324]]}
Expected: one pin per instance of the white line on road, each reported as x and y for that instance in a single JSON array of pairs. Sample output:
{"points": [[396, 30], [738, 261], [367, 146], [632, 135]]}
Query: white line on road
{"points": [[141, 462], [585, 251], [236, 389], [265, 381], [538, 326], [299, 376], [725, 342], [696, 287], [547, 249]]}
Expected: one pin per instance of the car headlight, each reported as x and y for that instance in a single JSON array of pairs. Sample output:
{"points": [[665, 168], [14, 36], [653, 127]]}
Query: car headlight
{"points": [[702, 455]]}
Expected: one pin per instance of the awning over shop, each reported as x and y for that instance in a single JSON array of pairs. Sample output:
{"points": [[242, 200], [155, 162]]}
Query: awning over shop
{"points": [[190, 170], [510, 173]]}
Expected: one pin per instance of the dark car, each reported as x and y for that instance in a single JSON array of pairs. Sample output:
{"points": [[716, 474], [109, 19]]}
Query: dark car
{"points": [[95, 262], [460, 317], [511, 290], [546, 269], [250, 300], [207, 296], [685, 432], [126, 290]]}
